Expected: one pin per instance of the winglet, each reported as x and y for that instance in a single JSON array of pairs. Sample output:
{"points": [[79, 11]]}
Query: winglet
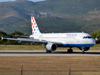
{"points": [[2, 38]]}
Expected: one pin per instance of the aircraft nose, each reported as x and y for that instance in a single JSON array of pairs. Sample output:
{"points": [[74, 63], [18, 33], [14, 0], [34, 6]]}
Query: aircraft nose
{"points": [[93, 41]]}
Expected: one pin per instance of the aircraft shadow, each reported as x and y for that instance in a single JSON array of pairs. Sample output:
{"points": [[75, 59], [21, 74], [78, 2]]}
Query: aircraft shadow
{"points": [[56, 52], [76, 52]]}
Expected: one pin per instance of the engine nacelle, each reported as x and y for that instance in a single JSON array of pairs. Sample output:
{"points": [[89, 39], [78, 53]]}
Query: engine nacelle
{"points": [[85, 48], [51, 47]]}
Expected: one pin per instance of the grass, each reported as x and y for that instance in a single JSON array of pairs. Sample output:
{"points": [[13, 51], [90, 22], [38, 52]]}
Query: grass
{"points": [[50, 65], [21, 47], [38, 47]]}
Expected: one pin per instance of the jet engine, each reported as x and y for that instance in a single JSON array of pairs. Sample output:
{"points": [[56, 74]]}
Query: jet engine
{"points": [[85, 48], [51, 47]]}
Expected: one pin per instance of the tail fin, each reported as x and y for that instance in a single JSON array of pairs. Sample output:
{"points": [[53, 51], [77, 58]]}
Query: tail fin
{"points": [[35, 29]]}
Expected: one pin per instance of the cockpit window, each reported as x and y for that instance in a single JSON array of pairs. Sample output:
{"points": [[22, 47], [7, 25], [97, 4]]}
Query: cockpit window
{"points": [[87, 37]]}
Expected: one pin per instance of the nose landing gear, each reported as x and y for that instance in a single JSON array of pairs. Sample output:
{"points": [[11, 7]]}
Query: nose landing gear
{"points": [[83, 50], [70, 50]]}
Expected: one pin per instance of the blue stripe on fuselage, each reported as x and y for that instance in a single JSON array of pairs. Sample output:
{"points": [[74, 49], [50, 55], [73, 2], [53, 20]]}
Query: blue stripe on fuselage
{"points": [[76, 45]]}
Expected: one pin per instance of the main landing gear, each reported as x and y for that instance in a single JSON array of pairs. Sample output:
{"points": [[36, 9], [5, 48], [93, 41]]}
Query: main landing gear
{"points": [[70, 50], [47, 51]]}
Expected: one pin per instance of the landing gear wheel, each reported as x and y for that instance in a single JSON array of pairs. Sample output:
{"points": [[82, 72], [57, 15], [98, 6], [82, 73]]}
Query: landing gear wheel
{"points": [[70, 51], [47, 51], [83, 52]]}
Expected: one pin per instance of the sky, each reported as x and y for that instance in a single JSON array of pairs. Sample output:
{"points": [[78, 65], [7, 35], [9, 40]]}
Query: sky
{"points": [[15, 0]]}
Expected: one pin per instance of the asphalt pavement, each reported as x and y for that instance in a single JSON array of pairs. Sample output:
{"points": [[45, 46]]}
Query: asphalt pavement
{"points": [[43, 53]]}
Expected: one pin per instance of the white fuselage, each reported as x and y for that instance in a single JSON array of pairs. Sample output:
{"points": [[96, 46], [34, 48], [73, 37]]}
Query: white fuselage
{"points": [[68, 39]]}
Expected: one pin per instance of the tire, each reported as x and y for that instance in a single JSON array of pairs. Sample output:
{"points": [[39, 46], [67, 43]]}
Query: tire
{"points": [[47, 51], [70, 51]]}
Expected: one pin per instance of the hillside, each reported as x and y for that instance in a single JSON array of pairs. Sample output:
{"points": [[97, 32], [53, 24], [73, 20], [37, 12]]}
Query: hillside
{"points": [[66, 8], [56, 15]]}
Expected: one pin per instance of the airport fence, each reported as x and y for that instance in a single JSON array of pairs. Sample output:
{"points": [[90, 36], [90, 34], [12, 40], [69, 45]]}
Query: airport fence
{"points": [[68, 71]]}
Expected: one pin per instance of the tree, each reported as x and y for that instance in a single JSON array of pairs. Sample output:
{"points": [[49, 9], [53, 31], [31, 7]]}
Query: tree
{"points": [[15, 33], [11, 35], [2, 33], [96, 35]]}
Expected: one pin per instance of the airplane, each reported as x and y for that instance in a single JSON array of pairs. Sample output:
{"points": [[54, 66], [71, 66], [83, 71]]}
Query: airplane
{"points": [[51, 41]]}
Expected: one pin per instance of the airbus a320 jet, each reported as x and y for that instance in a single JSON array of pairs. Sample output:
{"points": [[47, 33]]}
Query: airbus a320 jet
{"points": [[81, 40]]}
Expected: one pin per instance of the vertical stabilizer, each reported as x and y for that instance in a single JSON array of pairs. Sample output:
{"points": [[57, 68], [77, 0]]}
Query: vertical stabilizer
{"points": [[35, 29]]}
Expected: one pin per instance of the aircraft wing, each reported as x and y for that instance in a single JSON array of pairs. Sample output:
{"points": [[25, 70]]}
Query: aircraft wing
{"points": [[30, 40]]}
